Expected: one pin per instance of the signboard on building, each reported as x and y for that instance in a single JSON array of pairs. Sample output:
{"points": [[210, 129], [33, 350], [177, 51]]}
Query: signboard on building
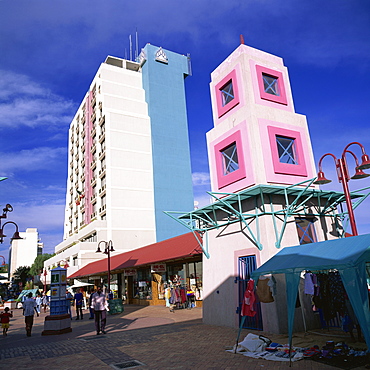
{"points": [[158, 267], [129, 272]]}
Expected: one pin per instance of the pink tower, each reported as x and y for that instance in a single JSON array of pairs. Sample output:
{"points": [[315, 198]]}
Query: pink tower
{"points": [[257, 136]]}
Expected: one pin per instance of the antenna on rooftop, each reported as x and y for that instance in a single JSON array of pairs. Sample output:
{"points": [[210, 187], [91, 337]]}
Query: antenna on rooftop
{"points": [[137, 46], [130, 38], [241, 40]]}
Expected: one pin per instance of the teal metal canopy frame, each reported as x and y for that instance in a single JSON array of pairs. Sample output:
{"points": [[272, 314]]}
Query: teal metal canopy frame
{"points": [[301, 200]]}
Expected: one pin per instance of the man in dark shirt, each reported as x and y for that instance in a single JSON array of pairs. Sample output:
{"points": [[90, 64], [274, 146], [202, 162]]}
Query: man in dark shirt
{"points": [[78, 301]]}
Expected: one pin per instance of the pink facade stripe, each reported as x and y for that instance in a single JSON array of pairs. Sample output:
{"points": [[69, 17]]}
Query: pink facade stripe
{"points": [[88, 159]]}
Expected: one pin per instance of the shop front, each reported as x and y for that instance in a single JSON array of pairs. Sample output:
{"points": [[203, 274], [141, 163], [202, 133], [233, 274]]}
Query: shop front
{"points": [[167, 273]]}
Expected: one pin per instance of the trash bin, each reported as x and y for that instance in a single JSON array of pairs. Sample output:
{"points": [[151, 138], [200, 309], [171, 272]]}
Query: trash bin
{"points": [[115, 306]]}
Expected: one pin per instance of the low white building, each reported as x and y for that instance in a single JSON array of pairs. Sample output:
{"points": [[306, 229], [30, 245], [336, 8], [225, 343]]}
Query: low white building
{"points": [[22, 252]]}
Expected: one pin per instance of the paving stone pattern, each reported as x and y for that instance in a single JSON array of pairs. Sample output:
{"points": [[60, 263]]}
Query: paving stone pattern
{"points": [[151, 335]]}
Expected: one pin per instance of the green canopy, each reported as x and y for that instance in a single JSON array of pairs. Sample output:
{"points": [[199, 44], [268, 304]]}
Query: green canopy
{"points": [[347, 255]]}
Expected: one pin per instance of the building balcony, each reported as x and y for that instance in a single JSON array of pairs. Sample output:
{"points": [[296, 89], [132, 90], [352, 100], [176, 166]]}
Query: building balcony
{"points": [[102, 190], [102, 172], [102, 120], [102, 137], [93, 100], [102, 208], [93, 131], [93, 117], [93, 181], [93, 164], [102, 154]]}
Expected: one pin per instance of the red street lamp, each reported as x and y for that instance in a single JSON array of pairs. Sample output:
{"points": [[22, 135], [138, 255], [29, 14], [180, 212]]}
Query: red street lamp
{"points": [[343, 176], [108, 247]]}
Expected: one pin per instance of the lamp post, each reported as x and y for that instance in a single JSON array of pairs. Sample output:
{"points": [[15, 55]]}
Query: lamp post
{"points": [[45, 274], [8, 208], [108, 247], [343, 176]]}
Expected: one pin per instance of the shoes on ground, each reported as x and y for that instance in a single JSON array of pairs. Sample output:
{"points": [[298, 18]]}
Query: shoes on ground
{"points": [[98, 332], [103, 331]]}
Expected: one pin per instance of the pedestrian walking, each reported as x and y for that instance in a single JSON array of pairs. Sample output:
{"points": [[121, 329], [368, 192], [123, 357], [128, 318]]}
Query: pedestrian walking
{"points": [[92, 291], [5, 318], [69, 299], [78, 302], [99, 305], [29, 309], [38, 302], [44, 301]]}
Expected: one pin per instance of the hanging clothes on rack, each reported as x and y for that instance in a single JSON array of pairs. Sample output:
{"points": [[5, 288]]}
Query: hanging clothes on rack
{"points": [[263, 290], [249, 300]]}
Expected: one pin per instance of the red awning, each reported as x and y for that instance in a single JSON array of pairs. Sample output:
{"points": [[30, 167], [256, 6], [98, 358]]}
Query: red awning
{"points": [[182, 246]]}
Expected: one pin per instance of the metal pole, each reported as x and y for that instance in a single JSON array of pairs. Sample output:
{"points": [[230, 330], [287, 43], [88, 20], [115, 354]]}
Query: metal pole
{"points": [[45, 273], [108, 247], [344, 181]]}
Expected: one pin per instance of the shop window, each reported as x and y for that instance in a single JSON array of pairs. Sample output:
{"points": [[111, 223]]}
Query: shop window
{"points": [[286, 150], [230, 159], [227, 94], [306, 230], [271, 85], [143, 284]]}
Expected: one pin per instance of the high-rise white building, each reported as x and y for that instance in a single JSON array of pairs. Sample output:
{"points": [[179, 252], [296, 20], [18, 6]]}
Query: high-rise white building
{"points": [[129, 158]]}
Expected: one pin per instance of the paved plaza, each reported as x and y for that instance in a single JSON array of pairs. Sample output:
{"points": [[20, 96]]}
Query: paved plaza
{"points": [[140, 338]]}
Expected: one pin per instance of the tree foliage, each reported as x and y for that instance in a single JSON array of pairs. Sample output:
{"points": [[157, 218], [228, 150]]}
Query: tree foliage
{"points": [[38, 264], [4, 268], [21, 275]]}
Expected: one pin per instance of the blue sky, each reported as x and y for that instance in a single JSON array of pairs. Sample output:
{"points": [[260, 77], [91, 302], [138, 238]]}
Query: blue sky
{"points": [[50, 51]]}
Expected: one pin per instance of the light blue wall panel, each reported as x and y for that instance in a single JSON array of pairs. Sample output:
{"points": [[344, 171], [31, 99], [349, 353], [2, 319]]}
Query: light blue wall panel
{"points": [[165, 96]]}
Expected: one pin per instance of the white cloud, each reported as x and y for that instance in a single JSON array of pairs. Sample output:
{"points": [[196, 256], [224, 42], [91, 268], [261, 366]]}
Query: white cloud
{"points": [[24, 102], [201, 178], [32, 159]]}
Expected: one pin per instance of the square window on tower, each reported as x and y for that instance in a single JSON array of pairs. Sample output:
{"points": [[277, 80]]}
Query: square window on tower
{"points": [[287, 153], [227, 93], [230, 159], [306, 230], [271, 85], [286, 150]]}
